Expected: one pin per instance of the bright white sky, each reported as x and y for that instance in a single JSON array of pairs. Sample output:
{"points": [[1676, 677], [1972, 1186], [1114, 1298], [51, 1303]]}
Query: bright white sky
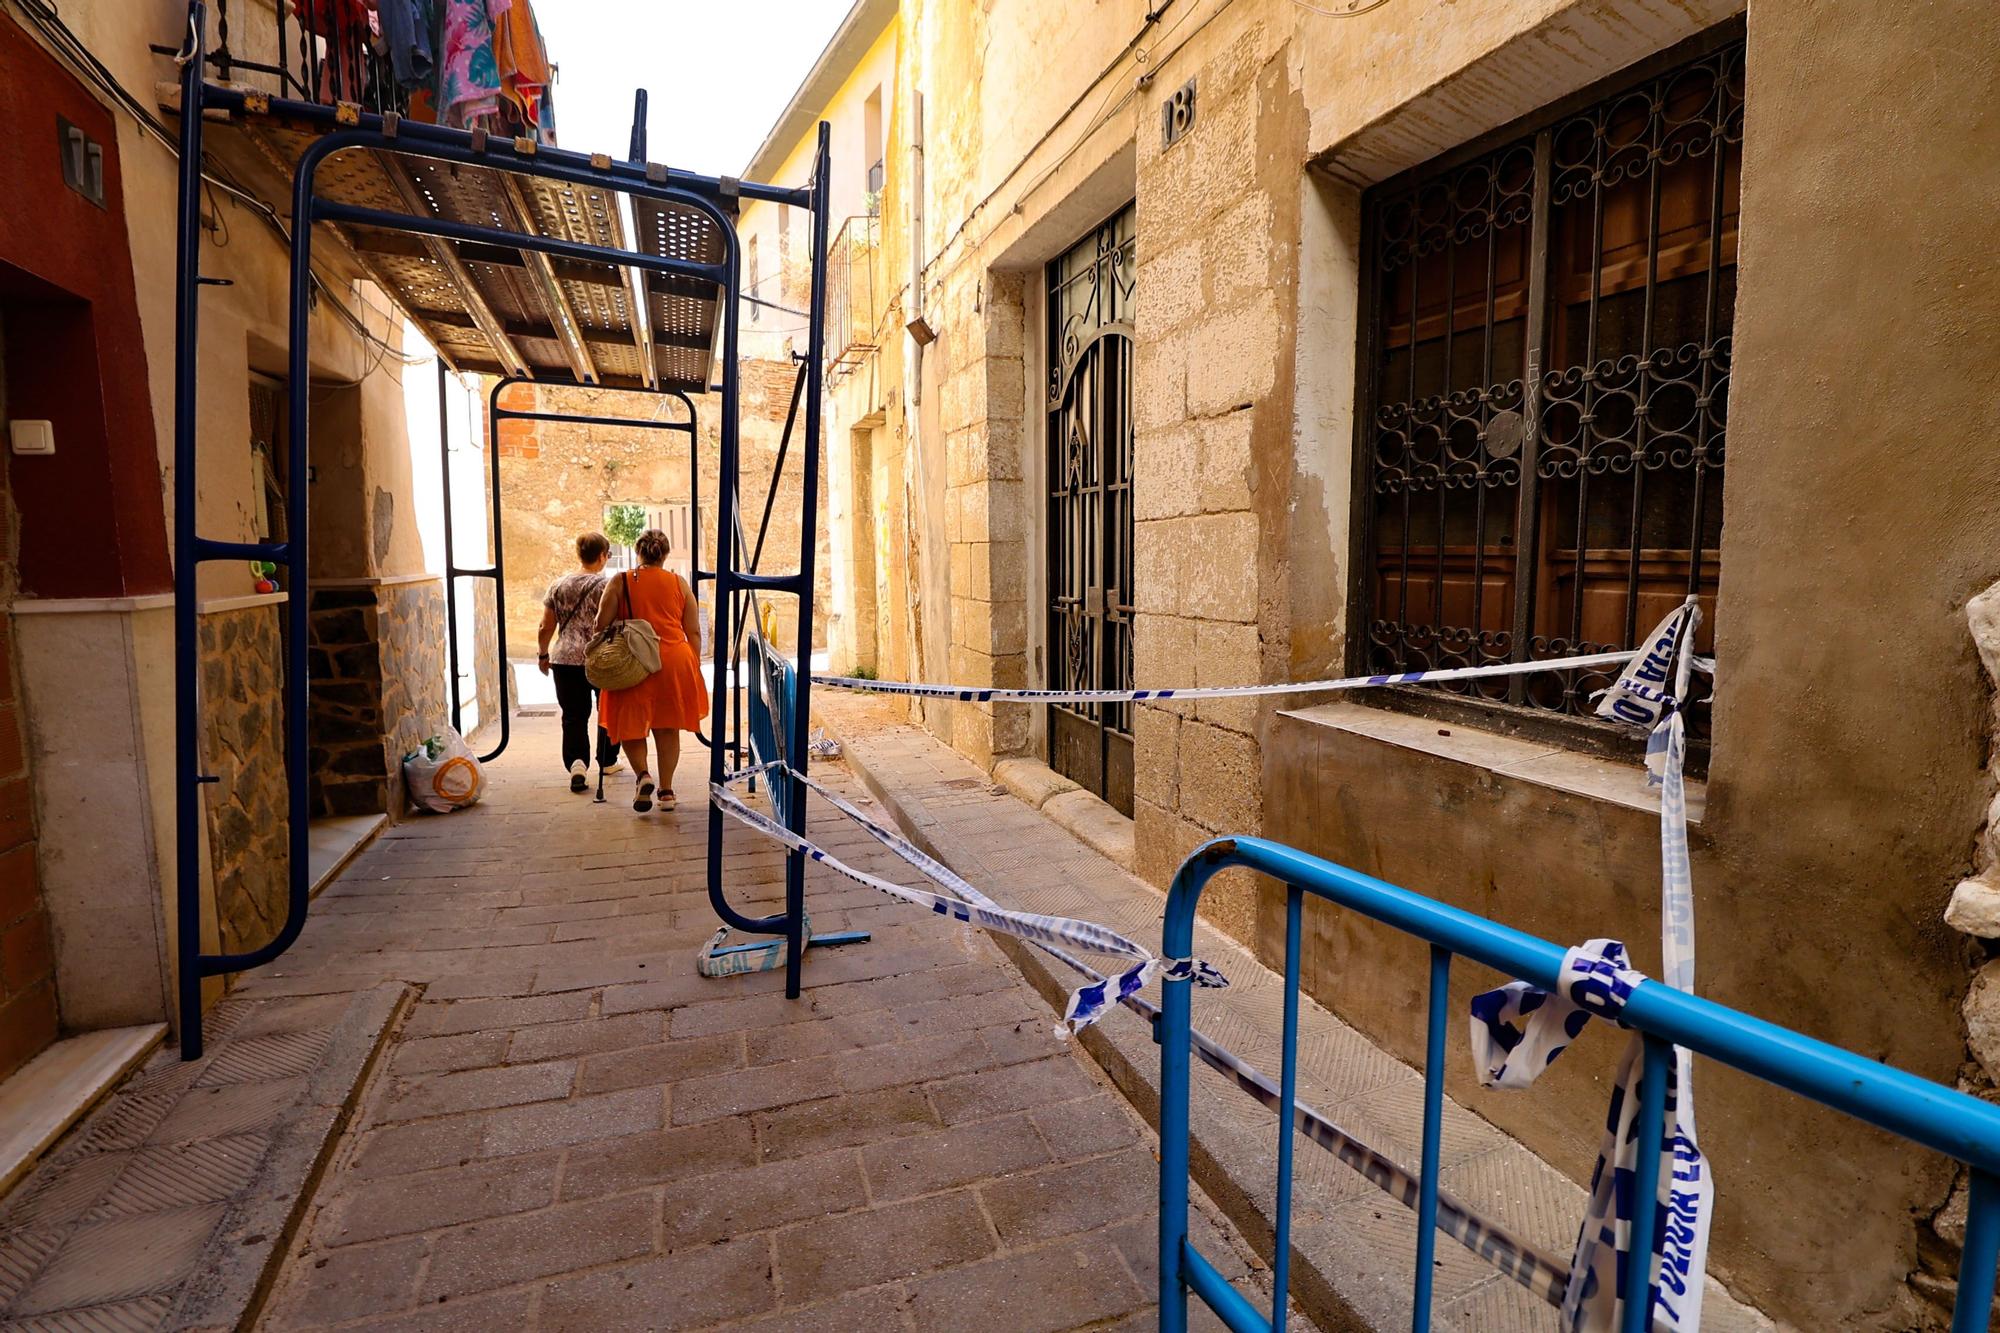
{"points": [[718, 72]]}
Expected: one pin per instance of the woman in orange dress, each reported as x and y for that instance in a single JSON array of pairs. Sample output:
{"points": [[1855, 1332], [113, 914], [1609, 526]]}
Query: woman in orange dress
{"points": [[672, 699]]}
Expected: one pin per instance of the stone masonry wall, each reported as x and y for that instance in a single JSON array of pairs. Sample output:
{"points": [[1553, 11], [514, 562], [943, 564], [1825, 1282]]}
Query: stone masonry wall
{"points": [[1212, 394], [350, 772], [410, 619], [558, 478], [243, 714]]}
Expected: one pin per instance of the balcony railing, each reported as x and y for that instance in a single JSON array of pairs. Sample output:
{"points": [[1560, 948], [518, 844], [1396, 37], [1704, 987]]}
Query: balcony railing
{"points": [[853, 306], [324, 51]]}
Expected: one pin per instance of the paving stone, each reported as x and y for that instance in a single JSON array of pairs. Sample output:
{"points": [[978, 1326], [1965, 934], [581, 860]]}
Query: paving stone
{"points": [[481, 1090], [462, 1314], [667, 1062], [843, 1032], [509, 1250], [842, 1122], [687, 1289], [922, 1060], [546, 1125], [400, 1149], [119, 1259], [442, 1020], [1013, 1088], [551, 1040], [836, 1254], [353, 1282], [922, 1164], [617, 1165], [400, 1205], [1040, 1291], [437, 1055], [747, 1090], [141, 1315], [1086, 1127], [1070, 1198], [872, 1311], [708, 1208]]}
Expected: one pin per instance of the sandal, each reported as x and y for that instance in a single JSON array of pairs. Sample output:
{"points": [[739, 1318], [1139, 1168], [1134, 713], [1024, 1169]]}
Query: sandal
{"points": [[642, 800], [667, 800]]}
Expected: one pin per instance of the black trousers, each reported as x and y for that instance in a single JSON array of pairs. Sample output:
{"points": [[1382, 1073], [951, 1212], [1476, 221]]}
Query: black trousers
{"points": [[574, 693]]}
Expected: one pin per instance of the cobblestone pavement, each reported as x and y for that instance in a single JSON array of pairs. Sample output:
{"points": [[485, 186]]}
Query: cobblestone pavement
{"points": [[570, 1129]]}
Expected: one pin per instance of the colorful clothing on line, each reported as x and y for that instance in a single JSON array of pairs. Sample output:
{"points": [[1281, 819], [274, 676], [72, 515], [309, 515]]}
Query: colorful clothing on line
{"points": [[468, 74]]}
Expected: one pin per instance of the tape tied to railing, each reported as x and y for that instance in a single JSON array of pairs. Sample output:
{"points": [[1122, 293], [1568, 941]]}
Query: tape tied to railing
{"points": [[1519, 1030], [1086, 1004]]}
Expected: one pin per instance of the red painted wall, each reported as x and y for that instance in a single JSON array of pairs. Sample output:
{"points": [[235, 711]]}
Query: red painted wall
{"points": [[92, 517]]}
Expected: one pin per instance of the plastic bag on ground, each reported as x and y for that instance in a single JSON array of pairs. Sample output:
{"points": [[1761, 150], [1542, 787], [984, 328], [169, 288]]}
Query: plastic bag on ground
{"points": [[442, 775]]}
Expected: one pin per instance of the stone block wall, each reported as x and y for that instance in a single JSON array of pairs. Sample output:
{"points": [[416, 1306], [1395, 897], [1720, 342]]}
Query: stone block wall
{"points": [[243, 716], [410, 619], [1212, 454], [378, 687], [350, 768]]}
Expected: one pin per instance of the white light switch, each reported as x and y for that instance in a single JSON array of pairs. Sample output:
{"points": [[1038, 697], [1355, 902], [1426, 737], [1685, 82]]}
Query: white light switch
{"points": [[33, 437]]}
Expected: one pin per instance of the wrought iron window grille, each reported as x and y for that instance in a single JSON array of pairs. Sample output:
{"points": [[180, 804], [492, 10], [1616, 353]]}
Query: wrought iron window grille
{"points": [[1545, 379]]}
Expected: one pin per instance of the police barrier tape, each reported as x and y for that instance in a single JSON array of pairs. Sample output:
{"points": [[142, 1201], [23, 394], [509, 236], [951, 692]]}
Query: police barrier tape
{"points": [[1541, 1273], [1649, 691], [1086, 1004], [979, 694]]}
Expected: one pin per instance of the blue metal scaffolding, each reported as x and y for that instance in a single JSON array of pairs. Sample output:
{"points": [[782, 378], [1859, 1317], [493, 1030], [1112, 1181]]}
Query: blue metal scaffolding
{"points": [[689, 267]]}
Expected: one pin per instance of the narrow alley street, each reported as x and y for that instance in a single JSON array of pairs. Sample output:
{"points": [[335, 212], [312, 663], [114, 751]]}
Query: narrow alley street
{"points": [[565, 1127]]}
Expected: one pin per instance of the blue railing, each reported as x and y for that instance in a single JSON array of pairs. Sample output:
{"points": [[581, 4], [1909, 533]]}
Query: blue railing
{"points": [[1961, 1127]]}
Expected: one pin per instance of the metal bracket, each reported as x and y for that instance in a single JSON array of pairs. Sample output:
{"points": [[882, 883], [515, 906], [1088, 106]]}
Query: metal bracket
{"points": [[656, 173], [257, 104], [347, 113], [729, 190], [524, 145], [392, 124], [478, 139]]}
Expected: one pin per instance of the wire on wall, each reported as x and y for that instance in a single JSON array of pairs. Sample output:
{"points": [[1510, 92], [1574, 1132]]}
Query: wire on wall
{"points": [[72, 48]]}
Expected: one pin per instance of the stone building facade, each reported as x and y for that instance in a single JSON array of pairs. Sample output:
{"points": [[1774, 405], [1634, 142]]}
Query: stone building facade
{"points": [[87, 344], [1253, 183]]}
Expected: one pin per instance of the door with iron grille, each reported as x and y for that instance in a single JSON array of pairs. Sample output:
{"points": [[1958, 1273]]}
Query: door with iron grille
{"points": [[1090, 506]]}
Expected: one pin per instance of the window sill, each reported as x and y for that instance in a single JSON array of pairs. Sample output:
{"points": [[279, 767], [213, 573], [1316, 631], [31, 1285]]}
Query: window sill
{"points": [[1537, 762]]}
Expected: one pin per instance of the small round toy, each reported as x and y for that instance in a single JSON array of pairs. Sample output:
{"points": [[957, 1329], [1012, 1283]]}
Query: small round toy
{"points": [[264, 569]]}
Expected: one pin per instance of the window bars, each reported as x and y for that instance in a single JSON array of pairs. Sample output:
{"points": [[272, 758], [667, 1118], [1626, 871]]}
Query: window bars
{"points": [[1546, 384]]}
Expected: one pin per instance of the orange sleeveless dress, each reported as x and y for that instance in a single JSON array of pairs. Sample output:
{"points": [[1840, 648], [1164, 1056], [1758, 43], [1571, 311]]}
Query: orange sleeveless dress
{"points": [[672, 698]]}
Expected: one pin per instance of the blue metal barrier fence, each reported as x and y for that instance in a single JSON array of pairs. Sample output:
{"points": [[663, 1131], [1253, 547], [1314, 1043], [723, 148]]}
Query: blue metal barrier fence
{"points": [[1950, 1122]]}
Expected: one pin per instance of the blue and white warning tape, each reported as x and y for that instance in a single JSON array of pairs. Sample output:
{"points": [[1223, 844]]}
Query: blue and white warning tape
{"points": [[1539, 1272], [977, 694], [1086, 1004]]}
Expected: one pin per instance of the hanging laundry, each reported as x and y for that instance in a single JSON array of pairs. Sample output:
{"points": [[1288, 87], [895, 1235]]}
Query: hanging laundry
{"points": [[406, 30], [334, 32], [468, 78], [523, 63]]}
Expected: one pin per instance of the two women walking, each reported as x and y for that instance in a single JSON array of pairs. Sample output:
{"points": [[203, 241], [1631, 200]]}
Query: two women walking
{"points": [[662, 705]]}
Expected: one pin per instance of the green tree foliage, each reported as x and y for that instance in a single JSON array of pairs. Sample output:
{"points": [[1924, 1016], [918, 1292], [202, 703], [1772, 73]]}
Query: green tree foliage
{"points": [[624, 523]]}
